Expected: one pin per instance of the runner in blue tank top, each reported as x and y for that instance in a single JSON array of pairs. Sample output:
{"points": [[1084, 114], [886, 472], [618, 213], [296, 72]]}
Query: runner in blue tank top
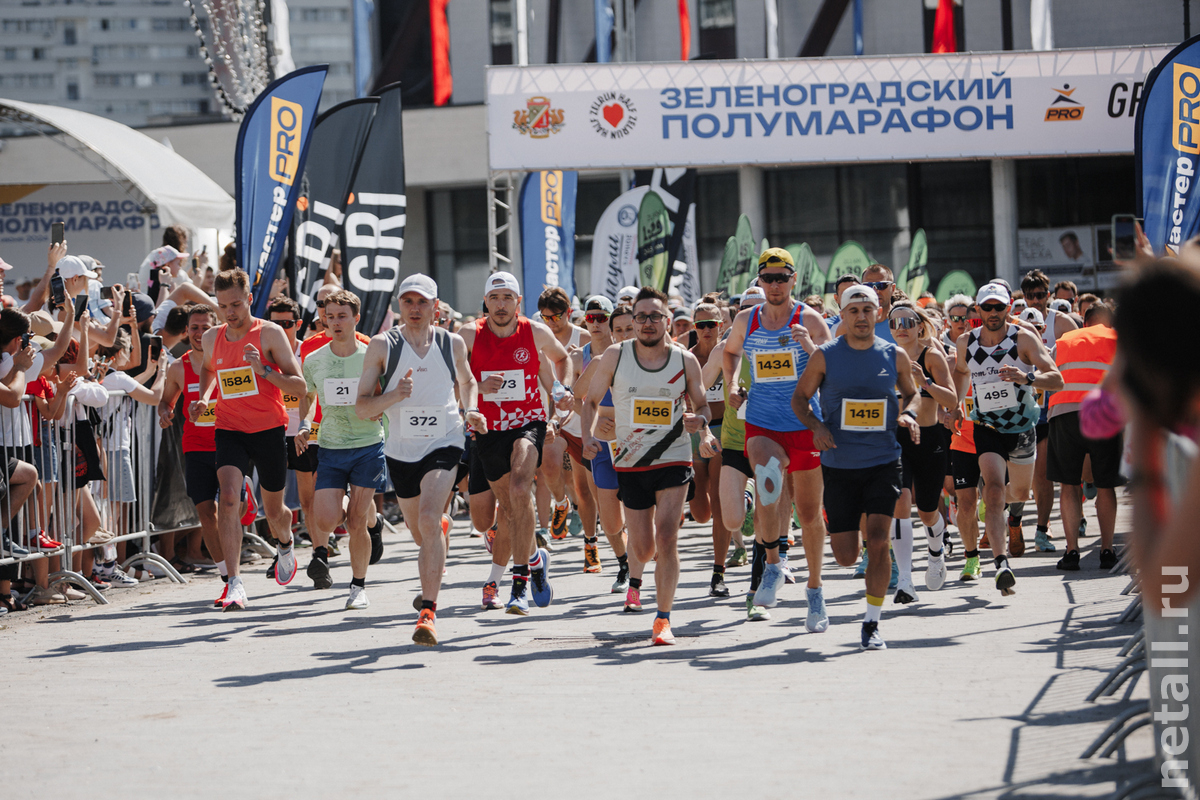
{"points": [[777, 337], [857, 376]]}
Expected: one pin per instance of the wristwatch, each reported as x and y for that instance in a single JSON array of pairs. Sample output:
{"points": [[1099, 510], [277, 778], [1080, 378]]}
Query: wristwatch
{"points": [[1030, 376]]}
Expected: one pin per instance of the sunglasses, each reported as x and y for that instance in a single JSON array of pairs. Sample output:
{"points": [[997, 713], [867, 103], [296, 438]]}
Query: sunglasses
{"points": [[957, 318], [991, 308], [775, 277], [877, 285], [772, 260], [596, 316], [320, 304], [976, 323], [642, 319], [285, 323], [553, 317], [903, 323], [705, 324], [1035, 295]]}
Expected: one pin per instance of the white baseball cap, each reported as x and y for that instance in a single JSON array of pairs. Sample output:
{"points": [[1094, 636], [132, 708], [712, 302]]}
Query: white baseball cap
{"points": [[1061, 305], [629, 291], [753, 296], [72, 267], [993, 291], [1032, 315], [501, 280], [421, 284], [859, 293]]}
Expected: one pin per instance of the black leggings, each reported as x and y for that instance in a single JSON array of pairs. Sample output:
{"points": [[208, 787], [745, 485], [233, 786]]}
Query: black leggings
{"points": [[923, 466]]}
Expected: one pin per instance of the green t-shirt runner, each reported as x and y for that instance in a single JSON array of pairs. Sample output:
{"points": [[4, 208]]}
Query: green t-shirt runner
{"points": [[335, 380]]}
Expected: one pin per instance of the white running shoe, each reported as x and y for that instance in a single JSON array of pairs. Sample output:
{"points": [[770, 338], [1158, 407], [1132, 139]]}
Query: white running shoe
{"points": [[935, 572], [285, 567], [120, 578], [905, 591], [788, 577], [358, 599], [768, 588], [235, 595]]}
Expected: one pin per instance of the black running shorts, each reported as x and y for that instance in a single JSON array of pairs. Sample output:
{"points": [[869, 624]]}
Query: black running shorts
{"points": [[1068, 447], [639, 490], [264, 450], [850, 493], [923, 466], [306, 461], [965, 467], [200, 472], [737, 459], [407, 475], [495, 448]]}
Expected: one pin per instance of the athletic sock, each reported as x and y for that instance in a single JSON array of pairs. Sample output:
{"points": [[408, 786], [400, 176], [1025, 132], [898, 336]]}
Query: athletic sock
{"points": [[757, 564], [874, 607], [1000, 560], [933, 536], [321, 554], [1043, 529], [635, 583], [1015, 511], [359, 582], [496, 574], [902, 546], [663, 615], [591, 541], [536, 561], [429, 604], [623, 560], [971, 554], [520, 574], [222, 569], [225, 579]]}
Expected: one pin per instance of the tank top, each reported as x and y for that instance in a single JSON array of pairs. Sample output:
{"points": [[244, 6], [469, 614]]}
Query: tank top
{"points": [[516, 357], [311, 345], [733, 426], [1051, 343], [1002, 406], [248, 403], [964, 440], [925, 369], [859, 404], [776, 363], [649, 412], [883, 330], [200, 436], [428, 419]]}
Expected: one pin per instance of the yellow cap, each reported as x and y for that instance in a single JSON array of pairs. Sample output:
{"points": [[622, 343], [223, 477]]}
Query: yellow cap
{"points": [[776, 257]]}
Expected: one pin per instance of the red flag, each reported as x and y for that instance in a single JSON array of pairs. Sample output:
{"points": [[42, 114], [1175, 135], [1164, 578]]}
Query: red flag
{"points": [[439, 31], [943, 28], [685, 31]]}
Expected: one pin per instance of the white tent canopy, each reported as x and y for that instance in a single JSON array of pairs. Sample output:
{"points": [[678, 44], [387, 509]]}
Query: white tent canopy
{"points": [[160, 179]]}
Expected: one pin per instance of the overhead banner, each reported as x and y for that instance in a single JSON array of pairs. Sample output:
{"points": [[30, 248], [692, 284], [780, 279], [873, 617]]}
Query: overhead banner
{"points": [[615, 245], [1168, 149], [335, 150], [802, 111], [548, 233], [373, 230], [272, 144]]}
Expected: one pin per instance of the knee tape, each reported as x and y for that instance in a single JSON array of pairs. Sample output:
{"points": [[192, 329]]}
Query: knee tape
{"points": [[769, 473]]}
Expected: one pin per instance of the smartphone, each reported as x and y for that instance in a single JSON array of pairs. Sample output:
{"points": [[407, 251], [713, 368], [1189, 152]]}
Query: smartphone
{"points": [[57, 232], [58, 292], [81, 304], [24, 340], [1124, 237], [156, 347], [195, 264], [106, 293], [133, 281], [127, 310]]}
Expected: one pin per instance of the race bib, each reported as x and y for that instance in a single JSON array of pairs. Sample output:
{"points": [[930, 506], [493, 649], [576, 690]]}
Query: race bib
{"points": [[237, 382], [291, 402], [968, 406], [775, 366], [996, 396], [312, 433], [1040, 394], [513, 388], [716, 392], [341, 391], [208, 418], [422, 422], [651, 412], [864, 416]]}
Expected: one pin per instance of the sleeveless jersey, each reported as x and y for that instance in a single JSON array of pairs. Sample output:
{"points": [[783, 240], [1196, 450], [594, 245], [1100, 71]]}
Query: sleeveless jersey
{"points": [[733, 427], [883, 330], [1005, 407], [200, 437], [776, 363], [308, 346], [859, 404], [248, 403], [649, 412], [1051, 343], [428, 419], [520, 401]]}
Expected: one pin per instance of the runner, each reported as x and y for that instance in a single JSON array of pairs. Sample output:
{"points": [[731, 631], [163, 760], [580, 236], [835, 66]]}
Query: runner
{"points": [[285, 312], [507, 351], [554, 307], [410, 373], [708, 324], [1003, 364], [649, 377], [857, 375], [199, 437], [251, 364], [879, 278], [778, 337], [964, 463]]}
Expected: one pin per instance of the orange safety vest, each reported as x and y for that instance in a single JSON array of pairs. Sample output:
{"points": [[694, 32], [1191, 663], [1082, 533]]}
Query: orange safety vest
{"points": [[1083, 357]]}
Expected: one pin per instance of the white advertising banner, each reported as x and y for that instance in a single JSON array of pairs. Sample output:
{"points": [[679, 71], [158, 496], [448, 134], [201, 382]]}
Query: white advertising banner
{"points": [[922, 107]]}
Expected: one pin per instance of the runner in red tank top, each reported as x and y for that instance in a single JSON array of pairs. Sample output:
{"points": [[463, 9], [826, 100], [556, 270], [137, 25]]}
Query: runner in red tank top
{"points": [[508, 352], [240, 359], [199, 437]]}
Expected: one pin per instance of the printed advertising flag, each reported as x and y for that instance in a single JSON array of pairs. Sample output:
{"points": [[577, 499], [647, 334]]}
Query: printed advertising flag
{"points": [[654, 231], [614, 245], [272, 144], [548, 233]]}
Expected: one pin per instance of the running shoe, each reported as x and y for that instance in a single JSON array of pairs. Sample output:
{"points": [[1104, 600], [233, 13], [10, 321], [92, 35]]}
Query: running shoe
{"points": [[100, 585], [558, 519], [1041, 540], [425, 634], [1108, 559], [318, 572], [633, 600], [357, 599], [622, 581], [491, 597], [489, 537], [1089, 490], [1016, 540], [871, 640], [235, 596], [1005, 579], [376, 534], [717, 587], [894, 581], [817, 620], [1082, 527], [947, 542], [1069, 562], [251, 509], [285, 565], [591, 559], [748, 520], [332, 548], [447, 523], [418, 602], [46, 597], [543, 592], [861, 570], [220, 601], [45, 544], [14, 550], [271, 568], [788, 577], [662, 632], [768, 587], [935, 572], [519, 602], [121, 578], [738, 559], [971, 570], [755, 613], [984, 544], [574, 525], [982, 511], [541, 539], [905, 592]]}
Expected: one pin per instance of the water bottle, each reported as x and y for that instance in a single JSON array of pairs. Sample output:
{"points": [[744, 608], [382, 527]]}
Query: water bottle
{"points": [[558, 392]]}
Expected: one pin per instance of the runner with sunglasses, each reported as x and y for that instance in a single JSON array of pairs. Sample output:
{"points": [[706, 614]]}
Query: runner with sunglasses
{"points": [[1004, 364], [709, 323], [554, 308], [778, 337], [880, 280]]}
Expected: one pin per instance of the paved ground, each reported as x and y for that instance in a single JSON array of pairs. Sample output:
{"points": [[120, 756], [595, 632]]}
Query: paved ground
{"points": [[159, 695]]}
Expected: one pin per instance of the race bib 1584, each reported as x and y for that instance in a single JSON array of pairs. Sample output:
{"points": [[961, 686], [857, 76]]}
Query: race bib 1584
{"points": [[237, 382]]}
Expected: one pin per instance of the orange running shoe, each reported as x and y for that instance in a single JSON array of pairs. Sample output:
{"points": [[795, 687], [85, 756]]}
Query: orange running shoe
{"points": [[425, 634], [591, 558], [984, 544], [662, 632], [491, 597], [489, 537], [558, 521], [1016, 540]]}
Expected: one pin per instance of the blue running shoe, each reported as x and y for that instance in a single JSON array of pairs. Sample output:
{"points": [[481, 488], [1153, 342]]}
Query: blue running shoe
{"points": [[818, 619], [861, 570], [543, 592], [1042, 541], [768, 587], [519, 602], [871, 640]]}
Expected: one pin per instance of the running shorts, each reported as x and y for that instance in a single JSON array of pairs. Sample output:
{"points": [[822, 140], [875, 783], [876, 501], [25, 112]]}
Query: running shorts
{"points": [[200, 473], [306, 461], [602, 469], [1019, 448], [407, 475], [1068, 447], [965, 467], [850, 493], [639, 490], [797, 444], [496, 447], [923, 466], [737, 459], [264, 450], [355, 466]]}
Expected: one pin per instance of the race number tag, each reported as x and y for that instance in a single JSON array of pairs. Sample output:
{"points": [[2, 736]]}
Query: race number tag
{"points": [[651, 412], [291, 402], [996, 396], [968, 406], [513, 388], [864, 416], [1040, 394], [237, 382], [208, 418], [775, 366], [341, 391], [422, 422], [716, 392], [312, 434]]}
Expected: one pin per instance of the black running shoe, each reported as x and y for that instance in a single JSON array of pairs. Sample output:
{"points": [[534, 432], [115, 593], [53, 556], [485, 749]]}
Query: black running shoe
{"points": [[871, 640], [1108, 559], [376, 532], [318, 571], [1070, 561], [271, 569], [718, 588]]}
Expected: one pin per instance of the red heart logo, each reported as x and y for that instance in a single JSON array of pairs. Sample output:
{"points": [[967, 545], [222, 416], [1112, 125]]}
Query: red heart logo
{"points": [[614, 114]]}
